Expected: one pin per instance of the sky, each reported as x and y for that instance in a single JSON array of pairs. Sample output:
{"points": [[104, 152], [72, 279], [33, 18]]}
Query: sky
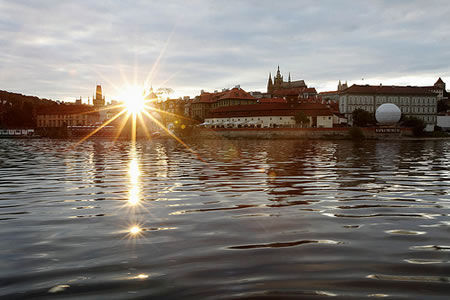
{"points": [[62, 49]]}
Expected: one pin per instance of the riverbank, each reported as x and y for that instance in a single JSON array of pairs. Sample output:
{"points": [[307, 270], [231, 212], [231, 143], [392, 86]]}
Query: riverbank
{"points": [[304, 133]]}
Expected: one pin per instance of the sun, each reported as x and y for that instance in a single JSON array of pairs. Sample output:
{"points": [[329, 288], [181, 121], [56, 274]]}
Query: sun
{"points": [[134, 99]]}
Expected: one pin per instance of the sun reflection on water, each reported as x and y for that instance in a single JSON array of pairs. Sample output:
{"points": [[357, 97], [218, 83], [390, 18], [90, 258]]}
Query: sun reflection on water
{"points": [[134, 192], [134, 230]]}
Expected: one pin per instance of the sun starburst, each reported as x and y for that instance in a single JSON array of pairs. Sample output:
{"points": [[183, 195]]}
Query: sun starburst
{"points": [[134, 99]]}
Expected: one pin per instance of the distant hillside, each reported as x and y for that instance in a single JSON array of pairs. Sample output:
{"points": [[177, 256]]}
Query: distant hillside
{"points": [[19, 98], [17, 110]]}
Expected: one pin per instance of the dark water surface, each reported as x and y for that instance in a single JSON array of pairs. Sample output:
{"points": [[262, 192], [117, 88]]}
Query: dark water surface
{"points": [[244, 219]]}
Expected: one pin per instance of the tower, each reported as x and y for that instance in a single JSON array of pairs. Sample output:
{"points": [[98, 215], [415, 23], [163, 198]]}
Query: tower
{"points": [[440, 83], [99, 99], [278, 79], [269, 84]]}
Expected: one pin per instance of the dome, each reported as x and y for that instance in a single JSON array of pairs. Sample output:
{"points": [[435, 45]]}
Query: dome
{"points": [[388, 114]]}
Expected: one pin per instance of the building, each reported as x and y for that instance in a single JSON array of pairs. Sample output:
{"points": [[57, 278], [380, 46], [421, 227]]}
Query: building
{"points": [[66, 115], [413, 101], [99, 99], [439, 89], [292, 91], [334, 95], [202, 104], [342, 86], [269, 115]]}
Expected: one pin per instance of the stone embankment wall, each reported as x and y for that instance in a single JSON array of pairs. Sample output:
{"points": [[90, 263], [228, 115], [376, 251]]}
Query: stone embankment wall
{"points": [[296, 133]]}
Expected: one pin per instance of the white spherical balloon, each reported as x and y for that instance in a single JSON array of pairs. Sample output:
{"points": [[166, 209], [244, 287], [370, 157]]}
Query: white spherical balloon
{"points": [[388, 114]]}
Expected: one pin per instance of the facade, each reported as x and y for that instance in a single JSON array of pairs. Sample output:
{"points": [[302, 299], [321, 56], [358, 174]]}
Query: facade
{"points": [[202, 104], [235, 96], [269, 115], [439, 89], [66, 115], [418, 102], [334, 95]]}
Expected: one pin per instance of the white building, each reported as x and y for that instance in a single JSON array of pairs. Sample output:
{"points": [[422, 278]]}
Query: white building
{"points": [[269, 115], [418, 102]]}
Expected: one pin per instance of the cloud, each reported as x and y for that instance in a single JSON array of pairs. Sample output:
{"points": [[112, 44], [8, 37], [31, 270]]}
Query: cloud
{"points": [[63, 49]]}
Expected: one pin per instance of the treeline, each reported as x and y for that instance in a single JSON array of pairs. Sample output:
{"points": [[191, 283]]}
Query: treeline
{"points": [[17, 110]]}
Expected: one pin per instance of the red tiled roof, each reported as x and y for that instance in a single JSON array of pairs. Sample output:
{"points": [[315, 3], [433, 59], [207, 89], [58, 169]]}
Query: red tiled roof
{"points": [[328, 92], [236, 93], [66, 110], [388, 90], [272, 100], [293, 91], [334, 106], [271, 109], [208, 97]]}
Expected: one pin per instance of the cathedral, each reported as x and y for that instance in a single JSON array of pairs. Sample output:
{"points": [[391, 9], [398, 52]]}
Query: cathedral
{"points": [[278, 83], [292, 91], [342, 86]]}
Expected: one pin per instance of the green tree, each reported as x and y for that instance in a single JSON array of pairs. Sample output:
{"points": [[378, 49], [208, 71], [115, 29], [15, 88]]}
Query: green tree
{"points": [[301, 118], [362, 118], [416, 124]]}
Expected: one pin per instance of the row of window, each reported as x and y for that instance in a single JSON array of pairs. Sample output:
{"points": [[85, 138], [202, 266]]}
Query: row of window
{"points": [[248, 119], [59, 123], [396, 100], [404, 109], [64, 117], [427, 119]]}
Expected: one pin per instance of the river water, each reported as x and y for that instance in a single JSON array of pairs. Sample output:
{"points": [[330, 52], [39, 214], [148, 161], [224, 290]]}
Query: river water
{"points": [[224, 219]]}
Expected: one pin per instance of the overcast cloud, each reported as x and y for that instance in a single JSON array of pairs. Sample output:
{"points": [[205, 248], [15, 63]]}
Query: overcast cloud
{"points": [[62, 49]]}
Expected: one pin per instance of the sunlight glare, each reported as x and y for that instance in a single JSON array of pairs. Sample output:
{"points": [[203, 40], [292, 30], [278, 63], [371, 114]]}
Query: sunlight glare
{"points": [[134, 196], [135, 230], [133, 99]]}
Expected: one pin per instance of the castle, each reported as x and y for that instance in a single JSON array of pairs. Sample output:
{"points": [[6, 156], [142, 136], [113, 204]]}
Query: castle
{"points": [[278, 83]]}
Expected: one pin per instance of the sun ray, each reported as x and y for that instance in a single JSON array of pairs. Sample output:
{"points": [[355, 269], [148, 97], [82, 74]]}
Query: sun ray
{"points": [[100, 127], [115, 87], [120, 127], [168, 79], [142, 122], [172, 135], [169, 113], [133, 128], [161, 54]]}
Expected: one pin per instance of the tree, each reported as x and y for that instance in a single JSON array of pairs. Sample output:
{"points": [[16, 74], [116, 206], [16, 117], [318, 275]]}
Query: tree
{"points": [[362, 118], [301, 118], [416, 124], [164, 91]]}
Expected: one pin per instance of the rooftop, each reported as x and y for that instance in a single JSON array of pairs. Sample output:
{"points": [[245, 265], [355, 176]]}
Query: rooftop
{"points": [[66, 110], [388, 90]]}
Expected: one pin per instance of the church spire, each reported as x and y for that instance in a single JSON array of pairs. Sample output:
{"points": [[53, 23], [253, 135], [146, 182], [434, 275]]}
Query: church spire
{"points": [[289, 79], [269, 83]]}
